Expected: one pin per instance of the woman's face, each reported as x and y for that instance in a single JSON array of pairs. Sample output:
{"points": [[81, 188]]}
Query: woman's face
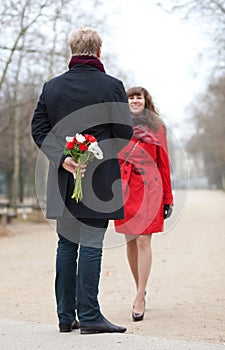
{"points": [[136, 103]]}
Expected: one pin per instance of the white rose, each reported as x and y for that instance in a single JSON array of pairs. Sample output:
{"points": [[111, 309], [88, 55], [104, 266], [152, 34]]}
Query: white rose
{"points": [[69, 138], [96, 150], [80, 138]]}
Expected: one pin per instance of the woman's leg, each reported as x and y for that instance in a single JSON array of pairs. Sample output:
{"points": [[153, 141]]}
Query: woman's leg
{"points": [[144, 262], [132, 256]]}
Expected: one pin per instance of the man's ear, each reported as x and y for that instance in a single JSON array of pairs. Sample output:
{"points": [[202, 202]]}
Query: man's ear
{"points": [[99, 52]]}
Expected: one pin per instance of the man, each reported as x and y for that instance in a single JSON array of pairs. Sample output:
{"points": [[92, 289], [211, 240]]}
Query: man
{"points": [[82, 100]]}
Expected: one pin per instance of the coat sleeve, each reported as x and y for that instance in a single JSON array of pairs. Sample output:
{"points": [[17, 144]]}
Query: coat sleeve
{"points": [[164, 166], [122, 129], [43, 135]]}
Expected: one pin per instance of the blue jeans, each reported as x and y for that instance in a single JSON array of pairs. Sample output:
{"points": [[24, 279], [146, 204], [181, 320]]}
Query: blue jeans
{"points": [[77, 279]]}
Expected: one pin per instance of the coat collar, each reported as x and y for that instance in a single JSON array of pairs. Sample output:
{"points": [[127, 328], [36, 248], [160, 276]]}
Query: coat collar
{"points": [[83, 67]]}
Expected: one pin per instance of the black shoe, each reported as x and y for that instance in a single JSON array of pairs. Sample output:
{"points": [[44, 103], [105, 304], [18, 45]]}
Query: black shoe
{"points": [[67, 327], [103, 326], [137, 316]]}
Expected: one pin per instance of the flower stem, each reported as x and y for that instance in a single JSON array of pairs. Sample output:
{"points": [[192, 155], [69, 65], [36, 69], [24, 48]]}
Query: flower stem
{"points": [[78, 192]]}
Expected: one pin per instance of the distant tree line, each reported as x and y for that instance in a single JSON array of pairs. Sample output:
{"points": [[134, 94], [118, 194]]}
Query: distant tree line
{"points": [[208, 109], [208, 116]]}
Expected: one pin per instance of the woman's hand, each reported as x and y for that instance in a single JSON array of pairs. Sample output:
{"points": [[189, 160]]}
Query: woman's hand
{"points": [[167, 210]]}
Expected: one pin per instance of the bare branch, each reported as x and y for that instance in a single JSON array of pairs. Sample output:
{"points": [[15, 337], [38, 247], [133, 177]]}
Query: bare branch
{"points": [[22, 32]]}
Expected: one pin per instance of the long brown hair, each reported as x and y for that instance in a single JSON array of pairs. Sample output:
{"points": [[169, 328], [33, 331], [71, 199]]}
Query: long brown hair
{"points": [[153, 119]]}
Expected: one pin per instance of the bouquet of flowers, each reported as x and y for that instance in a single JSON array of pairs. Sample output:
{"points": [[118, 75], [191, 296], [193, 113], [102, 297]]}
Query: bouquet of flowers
{"points": [[82, 148]]}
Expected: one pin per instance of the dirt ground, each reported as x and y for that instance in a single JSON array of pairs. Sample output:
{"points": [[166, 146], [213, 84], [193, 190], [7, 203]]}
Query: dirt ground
{"points": [[186, 291]]}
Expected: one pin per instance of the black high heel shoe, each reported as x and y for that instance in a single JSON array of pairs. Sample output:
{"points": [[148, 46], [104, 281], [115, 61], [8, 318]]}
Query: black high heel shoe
{"points": [[138, 317]]}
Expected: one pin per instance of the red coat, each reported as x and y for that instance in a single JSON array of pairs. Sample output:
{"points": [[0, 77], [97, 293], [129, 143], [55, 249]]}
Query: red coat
{"points": [[145, 172]]}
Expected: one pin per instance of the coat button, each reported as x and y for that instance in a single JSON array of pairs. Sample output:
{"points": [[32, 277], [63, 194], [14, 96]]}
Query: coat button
{"points": [[156, 178], [142, 152], [145, 182], [143, 163]]}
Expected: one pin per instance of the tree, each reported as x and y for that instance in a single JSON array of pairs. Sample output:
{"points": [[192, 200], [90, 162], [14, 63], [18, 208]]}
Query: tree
{"points": [[209, 139], [18, 16], [210, 16], [208, 108], [33, 47]]}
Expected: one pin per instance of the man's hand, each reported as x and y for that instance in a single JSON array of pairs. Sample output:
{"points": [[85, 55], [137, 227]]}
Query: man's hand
{"points": [[71, 165]]}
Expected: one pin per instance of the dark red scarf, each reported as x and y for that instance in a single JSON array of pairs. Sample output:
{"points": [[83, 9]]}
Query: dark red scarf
{"points": [[142, 132], [91, 60]]}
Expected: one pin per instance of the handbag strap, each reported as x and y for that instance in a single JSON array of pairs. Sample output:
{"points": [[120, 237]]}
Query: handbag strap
{"points": [[132, 150]]}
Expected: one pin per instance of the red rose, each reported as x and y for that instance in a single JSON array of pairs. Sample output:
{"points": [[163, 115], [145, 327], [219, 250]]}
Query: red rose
{"points": [[70, 145], [92, 139], [87, 137], [83, 147], [74, 139]]}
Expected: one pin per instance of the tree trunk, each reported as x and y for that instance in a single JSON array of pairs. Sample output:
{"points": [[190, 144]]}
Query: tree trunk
{"points": [[17, 151], [8, 181]]}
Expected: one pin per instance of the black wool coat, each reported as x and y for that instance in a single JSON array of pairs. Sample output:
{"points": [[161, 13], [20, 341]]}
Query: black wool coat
{"points": [[83, 100]]}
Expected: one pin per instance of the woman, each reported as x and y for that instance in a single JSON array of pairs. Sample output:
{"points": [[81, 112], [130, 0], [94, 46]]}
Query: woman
{"points": [[147, 189]]}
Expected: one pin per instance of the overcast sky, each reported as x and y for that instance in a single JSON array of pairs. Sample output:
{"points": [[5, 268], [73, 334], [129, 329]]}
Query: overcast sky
{"points": [[160, 52]]}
